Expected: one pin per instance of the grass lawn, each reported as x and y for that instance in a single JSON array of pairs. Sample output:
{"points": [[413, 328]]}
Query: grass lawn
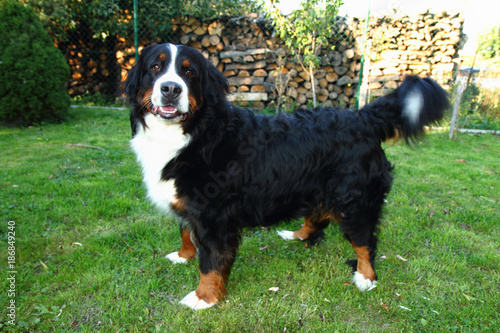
{"points": [[89, 248]]}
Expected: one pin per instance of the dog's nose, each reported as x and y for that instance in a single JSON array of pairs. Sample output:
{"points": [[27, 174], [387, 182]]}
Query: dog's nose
{"points": [[171, 90]]}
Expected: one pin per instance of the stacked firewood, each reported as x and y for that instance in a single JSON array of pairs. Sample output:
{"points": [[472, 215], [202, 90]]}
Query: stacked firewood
{"points": [[263, 72], [425, 45], [260, 68]]}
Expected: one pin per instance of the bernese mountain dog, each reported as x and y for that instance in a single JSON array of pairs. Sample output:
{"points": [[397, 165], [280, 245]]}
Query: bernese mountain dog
{"points": [[221, 168]]}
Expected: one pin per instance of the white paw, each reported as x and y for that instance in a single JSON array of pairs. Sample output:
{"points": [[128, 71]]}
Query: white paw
{"points": [[192, 301], [175, 259], [363, 283], [286, 235]]}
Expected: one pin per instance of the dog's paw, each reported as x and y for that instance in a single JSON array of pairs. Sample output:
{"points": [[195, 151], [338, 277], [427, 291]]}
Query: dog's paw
{"points": [[192, 301], [175, 259], [363, 283], [286, 235]]}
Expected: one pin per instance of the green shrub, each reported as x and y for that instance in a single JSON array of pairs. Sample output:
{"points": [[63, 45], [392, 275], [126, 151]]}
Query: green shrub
{"points": [[480, 108], [32, 70]]}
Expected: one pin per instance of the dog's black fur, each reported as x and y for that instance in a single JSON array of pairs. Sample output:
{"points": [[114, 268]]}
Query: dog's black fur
{"points": [[244, 169]]}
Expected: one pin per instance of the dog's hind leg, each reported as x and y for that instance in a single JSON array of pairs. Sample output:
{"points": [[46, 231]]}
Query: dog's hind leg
{"points": [[312, 230], [364, 278], [187, 251], [364, 241]]}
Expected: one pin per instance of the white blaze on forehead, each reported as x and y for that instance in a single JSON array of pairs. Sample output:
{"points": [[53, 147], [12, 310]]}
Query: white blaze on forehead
{"points": [[171, 75]]}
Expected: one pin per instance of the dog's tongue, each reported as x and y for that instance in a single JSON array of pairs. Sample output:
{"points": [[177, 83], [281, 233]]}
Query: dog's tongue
{"points": [[168, 109], [167, 112]]}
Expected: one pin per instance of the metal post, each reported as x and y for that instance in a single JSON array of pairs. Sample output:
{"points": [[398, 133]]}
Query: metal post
{"points": [[361, 70], [136, 32], [456, 109]]}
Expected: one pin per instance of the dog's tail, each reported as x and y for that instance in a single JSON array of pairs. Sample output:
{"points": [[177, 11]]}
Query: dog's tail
{"points": [[405, 112]]}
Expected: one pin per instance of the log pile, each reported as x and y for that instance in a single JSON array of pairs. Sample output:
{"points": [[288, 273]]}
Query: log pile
{"points": [[262, 72], [425, 45], [260, 69]]}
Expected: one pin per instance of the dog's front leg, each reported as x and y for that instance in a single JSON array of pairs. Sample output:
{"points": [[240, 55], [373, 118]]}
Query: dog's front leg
{"points": [[216, 259], [188, 248]]}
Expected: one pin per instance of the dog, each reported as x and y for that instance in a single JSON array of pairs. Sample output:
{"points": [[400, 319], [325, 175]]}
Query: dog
{"points": [[220, 168]]}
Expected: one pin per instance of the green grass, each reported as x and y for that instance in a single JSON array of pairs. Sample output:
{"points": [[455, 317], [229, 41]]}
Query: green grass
{"points": [[441, 216]]}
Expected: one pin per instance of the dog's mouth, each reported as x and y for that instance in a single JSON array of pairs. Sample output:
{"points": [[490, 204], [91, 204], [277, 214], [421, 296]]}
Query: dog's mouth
{"points": [[168, 112]]}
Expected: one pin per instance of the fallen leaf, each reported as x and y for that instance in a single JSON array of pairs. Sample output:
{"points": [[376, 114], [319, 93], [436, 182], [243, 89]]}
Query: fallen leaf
{"points": [[404, 308], [322, 317], [470, 298], [263, 248], [300, 321], [385, 307], [274, 289], [465, 226], [401, 258], [461, 160], [431, 215], [43, 264], [326, 300], [76, 243]]}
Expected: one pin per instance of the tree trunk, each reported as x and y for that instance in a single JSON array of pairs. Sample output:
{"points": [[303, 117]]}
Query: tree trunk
{"points": [[313, 83]]}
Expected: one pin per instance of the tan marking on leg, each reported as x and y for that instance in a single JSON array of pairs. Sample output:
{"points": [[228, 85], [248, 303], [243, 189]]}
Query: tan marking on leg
{"points": [[364, 265], [312, 224], [211, 287], [188, 250], [307, 230]]}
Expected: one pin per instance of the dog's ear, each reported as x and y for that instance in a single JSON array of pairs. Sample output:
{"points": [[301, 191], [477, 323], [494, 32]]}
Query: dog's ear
{"points": [[132, 84], [214, 85]]}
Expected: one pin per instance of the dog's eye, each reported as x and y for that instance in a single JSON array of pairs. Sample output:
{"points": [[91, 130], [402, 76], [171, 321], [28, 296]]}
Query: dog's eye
{"points": [[189, 72], [156, 68]]}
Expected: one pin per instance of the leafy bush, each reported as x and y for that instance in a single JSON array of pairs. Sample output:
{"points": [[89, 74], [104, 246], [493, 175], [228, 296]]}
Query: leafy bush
{"points": [[480, 108], [32, 71]]}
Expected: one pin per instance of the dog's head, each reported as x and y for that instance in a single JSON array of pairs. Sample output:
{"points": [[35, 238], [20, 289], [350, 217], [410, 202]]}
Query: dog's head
{"points": [[174, 82]]}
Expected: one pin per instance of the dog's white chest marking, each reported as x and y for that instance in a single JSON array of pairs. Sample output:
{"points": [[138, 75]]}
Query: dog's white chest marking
{"points": [[154, 147]]}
